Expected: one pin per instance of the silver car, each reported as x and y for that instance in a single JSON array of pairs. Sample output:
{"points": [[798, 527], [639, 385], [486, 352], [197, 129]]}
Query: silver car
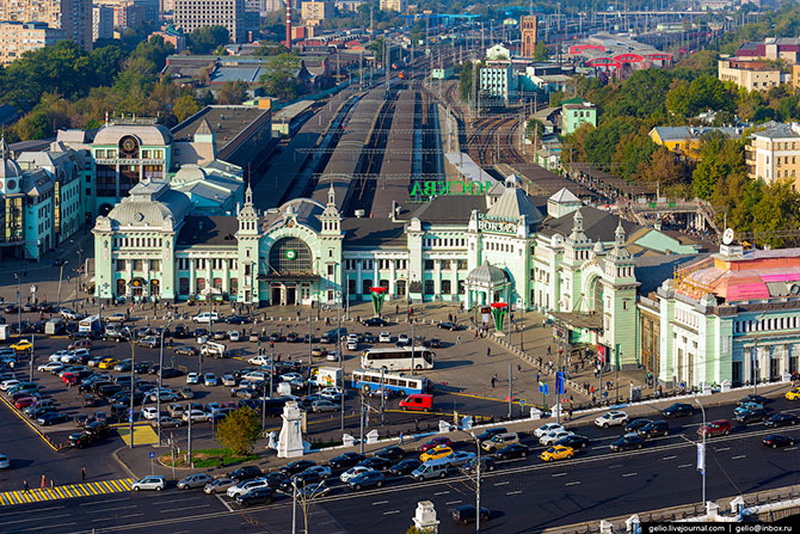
{"points": [[219, 485], [197, 480]]}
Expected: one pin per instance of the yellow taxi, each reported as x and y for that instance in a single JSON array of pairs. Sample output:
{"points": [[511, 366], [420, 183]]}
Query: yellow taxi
{"points": [[557, 452], [22, 345], [107, 363], [436, 453], [793, 394]]}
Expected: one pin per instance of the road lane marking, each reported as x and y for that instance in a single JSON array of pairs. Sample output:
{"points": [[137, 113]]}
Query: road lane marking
{"points": [[60, 526], [615, 466], [670, 457], [129, 515], [684, 465], [558, 475], [790, 449], [390, 512], [441, 493], [169, 501], [517, 492], [376, 503], [626, 475], [104, 501], [104, 510], [501, 483], [738, 457], [184, 508], [573, 483], [15, 521], [723, 449], [452, 502], [224, 502]]}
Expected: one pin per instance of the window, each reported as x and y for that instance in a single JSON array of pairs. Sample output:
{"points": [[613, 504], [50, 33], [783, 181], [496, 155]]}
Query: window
{"points": [[446, 287], [138, 265], [428, 265], [233, 286], [217, 283], [120, 265], [330, 270], [201, 285], [183, 286], [155, 265], [429, 287]]}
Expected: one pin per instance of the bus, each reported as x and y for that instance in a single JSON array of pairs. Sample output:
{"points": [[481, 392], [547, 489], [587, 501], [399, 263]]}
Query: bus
{"points": [[398, 358], [91, 324], [370, 380]]}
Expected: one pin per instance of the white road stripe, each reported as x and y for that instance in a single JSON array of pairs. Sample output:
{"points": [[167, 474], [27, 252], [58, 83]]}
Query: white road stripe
{"points": [[723, 449], [573, 483], [441, 493], [185, 508], [501, 483], [390, 512], [626, 475], [669, 457], [452, 502], [224, 503], [738, 457], [559, 475], [684, 465], [376, 503], [514, 492]]}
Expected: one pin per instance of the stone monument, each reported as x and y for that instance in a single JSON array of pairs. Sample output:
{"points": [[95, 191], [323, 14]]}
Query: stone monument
{"points": [[290, 441]]}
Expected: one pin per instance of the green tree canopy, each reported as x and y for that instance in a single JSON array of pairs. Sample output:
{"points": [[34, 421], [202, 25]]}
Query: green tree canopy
{"points": [[203, 40], [240, 430], [280, 80]]}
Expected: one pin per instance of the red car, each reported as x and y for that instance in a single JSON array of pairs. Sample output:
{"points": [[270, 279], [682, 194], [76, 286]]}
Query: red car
{"points": [[69, 378], [24, 402], [721, 427], [435, 442]]}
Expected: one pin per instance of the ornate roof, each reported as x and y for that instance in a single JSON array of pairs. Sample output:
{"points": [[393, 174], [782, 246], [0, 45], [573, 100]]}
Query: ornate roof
{"points": [[148, 134], [150, 204], [513, 203], [487, 275]]}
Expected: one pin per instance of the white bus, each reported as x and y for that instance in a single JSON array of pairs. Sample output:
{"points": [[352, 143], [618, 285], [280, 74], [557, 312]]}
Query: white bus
{"points": [[369, 380], [91, 324], [398, 358]]}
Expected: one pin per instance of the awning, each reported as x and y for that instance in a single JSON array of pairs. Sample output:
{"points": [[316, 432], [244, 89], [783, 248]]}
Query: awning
{"points": [[589, 321], [288, 277]]}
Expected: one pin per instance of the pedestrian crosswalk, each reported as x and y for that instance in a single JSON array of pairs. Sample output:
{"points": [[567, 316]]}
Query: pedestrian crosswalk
{"points": [[67, 491]]}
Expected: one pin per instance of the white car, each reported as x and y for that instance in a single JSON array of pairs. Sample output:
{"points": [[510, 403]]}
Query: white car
{"points": [[332, 356], [228, 380], [551, 437], [5, 463], [614, 418], [288, 377], [385, 337], [403, 338], [8, 384], [198, 416], [353, 472], [150, 412], [243, 487], [210, 380], [234, 335], [70, 315], [352, 345], [206, 317], [70, 357], [56, 356], [193, 378], [546, 429], [50, 366], [256, 376], [156, 483], [259, 360], [331, 393]]}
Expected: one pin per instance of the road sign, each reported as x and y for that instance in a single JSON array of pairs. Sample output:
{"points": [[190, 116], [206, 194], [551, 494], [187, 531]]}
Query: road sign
{"points": [[560, 385], [151, 454], [130, 412], [544, 388], [522, 402]]}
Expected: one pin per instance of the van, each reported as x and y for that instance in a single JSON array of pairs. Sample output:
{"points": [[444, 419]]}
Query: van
{"points": [[418, 401], [431, 469], [55, 327], [217, 350], [499, 441]]}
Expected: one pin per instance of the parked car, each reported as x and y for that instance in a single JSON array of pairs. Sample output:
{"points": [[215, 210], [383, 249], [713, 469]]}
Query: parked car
{"points": [[613, 418], [255, 496], [679, 409], [546, 429], [246, 485], [780, 419], [515, 450], [636, 424], [353, 472], [557, 452], [574, 441], [448, 325], [187, 350], [346, 460], [366, 479], [404, 467], [218, 485], [720, 427], [197, 480], [654, 429], [435, 442], [245, 473], [627, 442], [758, 399], [391, 452]]}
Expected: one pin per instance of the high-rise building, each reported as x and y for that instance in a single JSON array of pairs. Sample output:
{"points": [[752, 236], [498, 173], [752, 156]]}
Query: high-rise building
{"points": [[102, 22], [72, 17], [313, 13], [17, 38], [528, 25], [401, 6], [189, 15]]}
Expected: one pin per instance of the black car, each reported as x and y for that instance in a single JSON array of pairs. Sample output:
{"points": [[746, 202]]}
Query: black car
{"points": [[654, 429], [275, 479], [750, 415], [255, 496], [404, 467], [247, 472], [292, 337], [181, 331], [777, 440], [679, 409], [515, 450], [304, 479], [391, 453], [447, 325], [52, 418], [375, 321], [758, 399], [275, 337], [96, 430], [346, 460], [432, 343], [487, 464], [489, 433], [465, 514], [627, 442], [79, 440], [575, 441], [170, 372], [297, 466], [636, 424], [377, 463], [237, 319], [780, 419]]}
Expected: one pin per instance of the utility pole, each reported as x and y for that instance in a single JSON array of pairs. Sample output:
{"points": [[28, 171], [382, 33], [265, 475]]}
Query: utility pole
{"points": [[510, 389], [160, 378]]}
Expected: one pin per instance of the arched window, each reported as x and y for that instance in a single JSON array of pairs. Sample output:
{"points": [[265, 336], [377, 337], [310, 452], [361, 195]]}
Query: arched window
{"points": [[289, 256]]}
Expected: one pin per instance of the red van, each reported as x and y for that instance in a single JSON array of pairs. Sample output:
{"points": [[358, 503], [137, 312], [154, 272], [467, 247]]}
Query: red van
{"points": [[417, 401]]}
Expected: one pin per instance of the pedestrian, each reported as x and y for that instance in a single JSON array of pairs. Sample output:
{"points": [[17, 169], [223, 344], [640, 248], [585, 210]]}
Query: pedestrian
{"points": [[25, 486], [494, 381], [458, 340], [400, 441], [476, 334], [298, 315], [549, 351], [488, 351], [52, 484], [327, 321], [358, 318], [396, 309], [44, 482], [416, 425], [519, 368], [83, 473]]}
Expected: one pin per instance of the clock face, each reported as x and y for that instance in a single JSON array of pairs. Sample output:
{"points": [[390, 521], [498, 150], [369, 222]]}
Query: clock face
{"points": [[128, 145], [291, 254]]}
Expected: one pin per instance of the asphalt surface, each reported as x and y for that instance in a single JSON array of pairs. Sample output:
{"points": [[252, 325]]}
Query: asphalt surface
{"points": [[523, 494]]}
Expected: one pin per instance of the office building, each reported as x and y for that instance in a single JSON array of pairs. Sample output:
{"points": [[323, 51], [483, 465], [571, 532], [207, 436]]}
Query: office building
{"points": [[102, 22], [189, 15]]}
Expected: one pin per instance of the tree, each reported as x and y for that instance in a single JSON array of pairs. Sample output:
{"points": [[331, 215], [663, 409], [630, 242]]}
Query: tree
{"points": [[232, 93], [662, 168], [239, 431], [204, 40], [541, 52], [280, 80], [155, 50], [632, 151], [465, 85], [185, 106], [719, 157]]}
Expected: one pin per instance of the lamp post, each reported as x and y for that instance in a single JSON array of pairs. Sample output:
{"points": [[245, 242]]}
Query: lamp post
{"points": [[60, 276], [19, 306], [133, 365], [339, 351], [160, 378], [477, 483], [703, 446]]}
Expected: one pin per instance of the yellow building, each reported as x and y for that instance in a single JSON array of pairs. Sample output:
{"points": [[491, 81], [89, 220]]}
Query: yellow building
{"points": [[774, 154], [686, 140], [313, 13], [16, 38], [750, 75]]}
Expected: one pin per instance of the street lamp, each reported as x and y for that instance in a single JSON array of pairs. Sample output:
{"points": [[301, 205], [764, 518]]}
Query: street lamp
{"points": [[703, 449], [19, 306], [133, 365], [160, 378], [60, 276], [477, 483]]}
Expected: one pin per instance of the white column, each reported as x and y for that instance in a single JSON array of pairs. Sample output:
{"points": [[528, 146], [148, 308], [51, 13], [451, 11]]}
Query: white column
{"points": [[192, 280], [376, 277], [437, 278], [358, 277], [454, 279], [129, 276], [225, 275], [392, 276]]}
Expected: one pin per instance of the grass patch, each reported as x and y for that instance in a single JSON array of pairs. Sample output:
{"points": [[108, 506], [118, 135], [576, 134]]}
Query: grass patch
{"points": [[208, 458]]}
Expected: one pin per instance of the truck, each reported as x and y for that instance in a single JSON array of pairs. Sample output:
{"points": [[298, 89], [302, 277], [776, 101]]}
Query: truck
{"points": [[55, 326], [216, 350], [326, 376]]}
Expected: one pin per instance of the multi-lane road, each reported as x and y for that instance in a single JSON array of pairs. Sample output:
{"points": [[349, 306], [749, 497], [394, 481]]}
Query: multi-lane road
{"points": [[524, 494]]}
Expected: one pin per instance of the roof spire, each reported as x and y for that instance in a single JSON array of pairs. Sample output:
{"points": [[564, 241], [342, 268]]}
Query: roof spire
{"points": [[4, 151], [331, 196], [619, 234]]}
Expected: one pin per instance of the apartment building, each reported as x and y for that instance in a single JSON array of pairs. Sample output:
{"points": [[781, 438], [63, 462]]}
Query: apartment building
{"points": [[102, 22], [750, 75], [401, 6], [16, 38], [72, 17], [313, 13], [189, 15], [774, 154]]}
